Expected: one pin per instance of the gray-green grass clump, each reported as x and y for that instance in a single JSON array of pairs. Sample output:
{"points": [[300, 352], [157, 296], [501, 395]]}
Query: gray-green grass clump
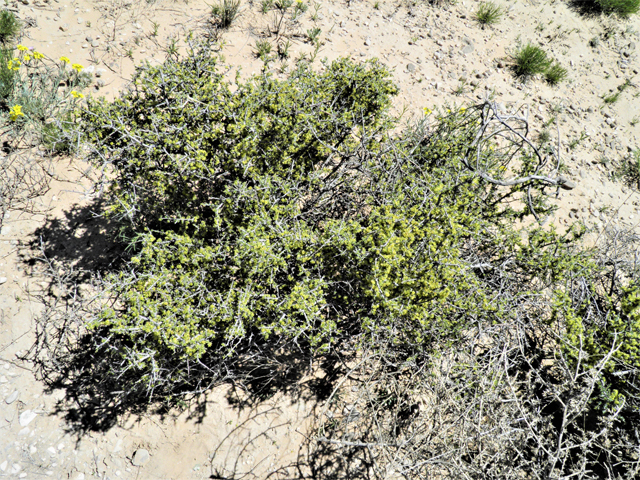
{"points": [[9, 28], [226, 12], [488, 13], [530, 60]]}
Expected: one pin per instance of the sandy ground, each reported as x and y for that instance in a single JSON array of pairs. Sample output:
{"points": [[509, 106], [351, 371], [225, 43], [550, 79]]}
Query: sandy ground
{"points": [[439, 55]]}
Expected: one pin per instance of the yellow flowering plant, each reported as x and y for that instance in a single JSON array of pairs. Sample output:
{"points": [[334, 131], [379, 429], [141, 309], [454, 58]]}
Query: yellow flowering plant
{"points": [[77, 67], [15, 112], [65, 60]]}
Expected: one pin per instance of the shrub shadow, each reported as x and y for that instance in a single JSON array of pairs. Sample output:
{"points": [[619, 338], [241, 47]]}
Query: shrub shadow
{"points": [[73, 253]]}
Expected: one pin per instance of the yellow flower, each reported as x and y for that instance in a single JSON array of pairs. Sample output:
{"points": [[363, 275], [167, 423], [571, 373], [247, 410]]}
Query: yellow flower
{"points": [[14, 64], [463, 109], [427, 111], [22, 48], [65, 59], [77, 67], [27, 57], [15, 112], [38, 55], [77, 94]]}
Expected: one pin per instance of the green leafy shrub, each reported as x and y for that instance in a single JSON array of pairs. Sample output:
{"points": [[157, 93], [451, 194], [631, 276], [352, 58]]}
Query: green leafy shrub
{"points": [[277, 210]]}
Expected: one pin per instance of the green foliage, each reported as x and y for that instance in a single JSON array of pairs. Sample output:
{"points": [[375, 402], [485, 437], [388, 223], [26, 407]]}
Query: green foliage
{"points": [[488, 13], [9, 28], [622, 8], [608, 338], [530, 60]]}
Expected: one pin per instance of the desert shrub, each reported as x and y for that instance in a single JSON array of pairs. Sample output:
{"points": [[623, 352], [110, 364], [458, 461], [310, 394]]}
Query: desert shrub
{"points": [[622, 8], [284, 210]]}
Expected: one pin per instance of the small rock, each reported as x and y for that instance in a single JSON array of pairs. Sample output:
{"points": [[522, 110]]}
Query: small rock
{"points": [[99, 72], [27, 417], [3, 466], [89, 38], [25, 2], [3, 280], [367, 41], [14, 396], [411, 68], [64, 27], [565, 183], [80, 21], [95, 44], [24, 432], [85, 45], [140, 457], [100, 83]]}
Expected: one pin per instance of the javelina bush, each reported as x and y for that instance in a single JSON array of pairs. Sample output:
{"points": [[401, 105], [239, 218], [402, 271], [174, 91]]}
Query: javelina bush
{"points": [[282, 209]]}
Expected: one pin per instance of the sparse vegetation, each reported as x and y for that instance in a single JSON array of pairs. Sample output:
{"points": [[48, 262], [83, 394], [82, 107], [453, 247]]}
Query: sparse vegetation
{"points": [[488, 13], [262, 50], [225, 13], [613, 97], [289, 226]]}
